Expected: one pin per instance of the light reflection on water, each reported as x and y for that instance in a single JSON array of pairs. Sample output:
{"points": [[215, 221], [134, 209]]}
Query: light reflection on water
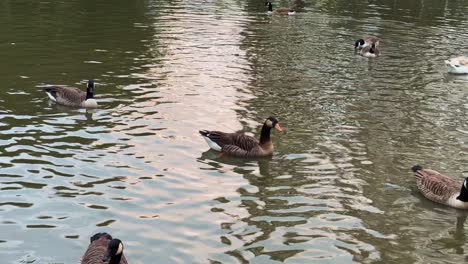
{"points": [[338, 188]]}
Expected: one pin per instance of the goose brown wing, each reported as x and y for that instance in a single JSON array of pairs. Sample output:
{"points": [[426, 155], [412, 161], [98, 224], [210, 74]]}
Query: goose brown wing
{"points": [[237, 139], [435, 186], [282, 10], [372, 40], [67, 95], [244, 142], [95, 251]]}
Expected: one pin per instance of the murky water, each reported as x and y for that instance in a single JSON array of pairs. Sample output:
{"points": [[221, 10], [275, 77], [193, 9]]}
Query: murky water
{"points": [[337, 190]]}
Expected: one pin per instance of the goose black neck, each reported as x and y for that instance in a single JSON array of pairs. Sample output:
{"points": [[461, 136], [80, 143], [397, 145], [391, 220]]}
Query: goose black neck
{"points": [[115, 259], [463, 194], [270, 7], [265, 134], [89, 93]]}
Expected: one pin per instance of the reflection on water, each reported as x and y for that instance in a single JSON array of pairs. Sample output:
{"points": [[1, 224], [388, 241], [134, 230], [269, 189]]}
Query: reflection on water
{"points": [[338, 188]]}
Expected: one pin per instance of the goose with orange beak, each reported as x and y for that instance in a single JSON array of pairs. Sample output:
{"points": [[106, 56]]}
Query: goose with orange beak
{"points": [[240, 145]]}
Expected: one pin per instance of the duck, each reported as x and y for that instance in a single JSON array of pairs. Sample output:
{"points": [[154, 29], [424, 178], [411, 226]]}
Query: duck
{"points": [[366, 42], [279, 11], [369, 52], [72, 96], [440, 188], [104, 249], [457, 65], [240, 145]]}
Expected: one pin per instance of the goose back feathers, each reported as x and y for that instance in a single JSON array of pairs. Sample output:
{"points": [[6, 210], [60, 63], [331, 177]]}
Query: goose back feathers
{"points": [[440, 188], [104, 250], [240, 145], [71, 96], [366, 42]]}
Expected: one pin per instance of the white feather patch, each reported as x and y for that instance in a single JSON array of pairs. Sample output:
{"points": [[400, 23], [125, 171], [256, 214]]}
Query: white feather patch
{"points": [[454, 202], [120, 249], [90, 103], [269, 123], [212, 144], [51, 97]]}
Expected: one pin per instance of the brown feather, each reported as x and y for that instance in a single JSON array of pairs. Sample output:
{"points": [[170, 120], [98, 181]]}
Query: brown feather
{"points": [[69, 96], [96, 250], [435, 186]]}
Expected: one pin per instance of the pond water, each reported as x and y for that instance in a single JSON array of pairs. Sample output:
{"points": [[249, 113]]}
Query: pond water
{"points": [[338, 188]]}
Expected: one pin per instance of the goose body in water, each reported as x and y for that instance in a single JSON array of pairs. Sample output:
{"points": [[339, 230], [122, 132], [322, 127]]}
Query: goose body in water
{"points": [[366, 42], [279, 11], [240, 145], [458, 65], [71, 96], [103, 249], [369, 52], [440, 188]]}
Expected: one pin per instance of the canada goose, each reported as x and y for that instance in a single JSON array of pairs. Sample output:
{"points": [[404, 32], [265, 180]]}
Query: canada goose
{"points": [[369, 52], [440, 188], [104, 249], [366, 42], [279, 11], [71, 96], [240, 145], [458, 65]]}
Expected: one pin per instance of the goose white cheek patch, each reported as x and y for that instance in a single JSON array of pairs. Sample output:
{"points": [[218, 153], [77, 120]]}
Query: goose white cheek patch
{"points": [[120, 249]]}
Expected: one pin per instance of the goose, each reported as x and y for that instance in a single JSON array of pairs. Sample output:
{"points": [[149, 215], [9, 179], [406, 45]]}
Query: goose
{"points": [[104, 249], [240, 145], [458, 65], [440, 188], [366, 42], [279, 11], [71, 96], [369, 52]]}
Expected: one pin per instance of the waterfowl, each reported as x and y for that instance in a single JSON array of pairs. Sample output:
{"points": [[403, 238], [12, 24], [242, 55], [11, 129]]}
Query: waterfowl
{"points": [[366, 42], [240, 145], [369, 52], [440, 188], [71, 96], [458, 65], [279, 11], [104, 249]]}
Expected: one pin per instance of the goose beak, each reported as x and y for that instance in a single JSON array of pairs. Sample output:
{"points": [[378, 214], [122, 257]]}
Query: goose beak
{"points": [[277, 127]]}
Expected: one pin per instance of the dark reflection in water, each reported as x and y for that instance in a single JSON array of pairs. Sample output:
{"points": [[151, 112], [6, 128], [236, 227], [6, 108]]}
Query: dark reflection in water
{"points": [[337, 190]]}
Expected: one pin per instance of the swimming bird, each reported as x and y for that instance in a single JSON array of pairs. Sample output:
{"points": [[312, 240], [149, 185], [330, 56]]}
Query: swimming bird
{"points": [[104, 249], [458, 65], [240, 145], [440, 188], [71, 96], [366, 42], [279, 11], [369, 52]]}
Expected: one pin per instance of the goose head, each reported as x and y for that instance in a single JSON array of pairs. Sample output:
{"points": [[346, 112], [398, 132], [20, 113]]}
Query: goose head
{"points": [[359, 43], [90, 86], [464, 191], [272, 122], [114, 250]]}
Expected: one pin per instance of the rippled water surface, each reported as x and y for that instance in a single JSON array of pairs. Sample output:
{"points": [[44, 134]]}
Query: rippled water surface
{"points": [[338, 188]]}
